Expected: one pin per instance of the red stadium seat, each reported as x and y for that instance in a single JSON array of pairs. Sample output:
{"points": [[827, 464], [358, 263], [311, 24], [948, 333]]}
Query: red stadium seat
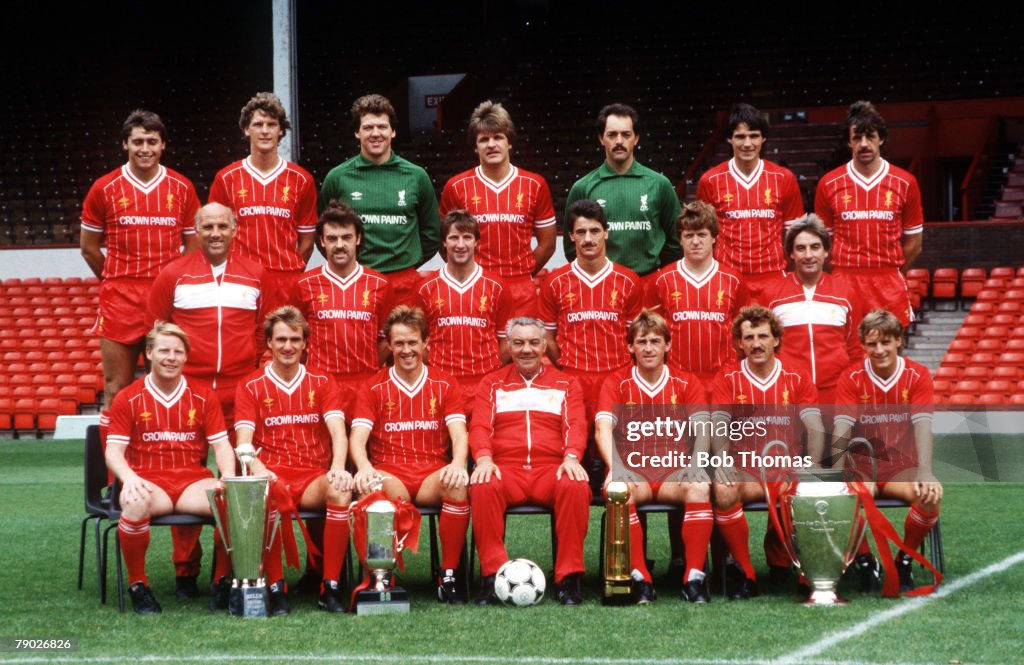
{"points": [[994, 283], [944, 282], [1003, 271], [983, 358], [987, 399], [44, 391], [995, 331], [1014, 294], [68, 395], [941, 386], [1017, 399], [989, 295], [25, 414], [984, 308], [12, 357], [46, 414], [1008, 372], [999, 386], [6, 414], [954, 359], [76, 355], [11, 281], [962, 345], [1014, 344], [968, 332], [976, 320], [1008, 320], [990, 345], [1016, 283], [972, 386], [72, 281], [962, 398], [20, 379], [948, 373], [979, 372], [1012, 358], [1009, 307]]}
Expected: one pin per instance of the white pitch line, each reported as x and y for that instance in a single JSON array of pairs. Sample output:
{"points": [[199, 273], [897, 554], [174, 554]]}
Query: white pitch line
{"points": [[916, 603]]}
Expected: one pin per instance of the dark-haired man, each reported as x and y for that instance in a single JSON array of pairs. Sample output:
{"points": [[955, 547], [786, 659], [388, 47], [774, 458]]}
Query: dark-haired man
{"points": [[873, 209], [273, 199], [393, 196], [754, 198], [640, 204]]}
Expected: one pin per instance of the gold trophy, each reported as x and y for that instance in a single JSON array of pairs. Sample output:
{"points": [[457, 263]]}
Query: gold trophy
{"points": [[618, 584]]}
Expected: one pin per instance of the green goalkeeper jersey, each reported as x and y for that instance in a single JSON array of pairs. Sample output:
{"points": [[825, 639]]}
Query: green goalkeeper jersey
{"points": [[397, 204], [641, 207]]}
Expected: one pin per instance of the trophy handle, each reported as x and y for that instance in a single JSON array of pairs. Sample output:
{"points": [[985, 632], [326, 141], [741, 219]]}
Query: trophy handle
{"points": [[783, 521], [213, 496], [861, 441]]}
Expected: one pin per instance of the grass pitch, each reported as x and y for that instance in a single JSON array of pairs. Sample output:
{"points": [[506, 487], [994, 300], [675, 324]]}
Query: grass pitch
{"points": [[976, 618]]}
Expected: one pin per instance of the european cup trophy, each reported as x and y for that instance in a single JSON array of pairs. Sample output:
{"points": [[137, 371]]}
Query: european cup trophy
{"points": [[247, 528], [382, 596], [618, 584], [820, 518]]}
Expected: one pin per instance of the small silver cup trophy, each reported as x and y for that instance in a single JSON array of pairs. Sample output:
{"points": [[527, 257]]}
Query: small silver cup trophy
{"points": [[247, 528], [383, 596], [823, 529]]}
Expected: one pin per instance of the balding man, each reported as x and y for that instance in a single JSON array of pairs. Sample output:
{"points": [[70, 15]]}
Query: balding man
{"points": [[216, 298]]}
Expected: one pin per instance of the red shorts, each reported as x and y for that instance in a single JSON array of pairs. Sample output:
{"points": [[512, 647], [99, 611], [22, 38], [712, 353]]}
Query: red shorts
{"points": [[403, 286], [297, 479], [279, 288], [122, 313], [522, 293], [410, 475], [759, 282], [224, 386], [881, 288], [176, 481], [591, 382]]}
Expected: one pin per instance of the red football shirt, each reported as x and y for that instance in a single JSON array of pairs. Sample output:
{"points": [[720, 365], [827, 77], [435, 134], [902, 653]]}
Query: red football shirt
{"points": [[752, 211], [591, 314], [885, 410], [699, 312], [144, 224], [507, 212], [289, 417], [465, 321], [345, 316], [166, 431], [409, 423], [777, 402], [869, 216], [272, 210]]}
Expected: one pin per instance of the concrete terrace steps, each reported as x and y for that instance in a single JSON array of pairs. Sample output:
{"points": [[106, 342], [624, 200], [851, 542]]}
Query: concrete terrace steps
{"points": [[934, 331]]}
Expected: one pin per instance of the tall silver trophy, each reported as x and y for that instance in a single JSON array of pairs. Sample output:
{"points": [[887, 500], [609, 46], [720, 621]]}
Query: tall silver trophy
{"points": [[383, 596], [822, 528], [247, 528]]}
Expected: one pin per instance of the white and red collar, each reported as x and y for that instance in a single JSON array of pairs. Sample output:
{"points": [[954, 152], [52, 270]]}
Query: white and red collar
{"points": [[497, 187], [885, 385], [697, 282], [166, 400], [261, 177], [864, 182], [144, 187], [587, 278], [343, 283], [288, 387], [651, 390], [414, 388], [762, 384], [746, 181], [461, 287]]}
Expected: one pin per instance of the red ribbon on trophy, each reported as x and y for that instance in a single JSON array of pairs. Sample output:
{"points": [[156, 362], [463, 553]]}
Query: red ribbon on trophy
{"points": [[281, 501]]}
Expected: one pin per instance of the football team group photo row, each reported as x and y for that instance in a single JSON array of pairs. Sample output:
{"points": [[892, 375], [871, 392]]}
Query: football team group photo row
{"points": [[692, 357]]}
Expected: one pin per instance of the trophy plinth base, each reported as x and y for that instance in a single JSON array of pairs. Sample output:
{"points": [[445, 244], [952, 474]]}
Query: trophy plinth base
{"points": [[824, 598], [617, 592], [248, 602], [392, 601]]}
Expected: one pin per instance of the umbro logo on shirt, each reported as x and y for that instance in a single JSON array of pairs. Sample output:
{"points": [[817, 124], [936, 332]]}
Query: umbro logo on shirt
{"points": [[357, 196]]}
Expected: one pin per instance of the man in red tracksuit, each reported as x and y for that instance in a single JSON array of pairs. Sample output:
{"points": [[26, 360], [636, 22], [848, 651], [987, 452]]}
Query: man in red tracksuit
{"points": [[528, 434]]}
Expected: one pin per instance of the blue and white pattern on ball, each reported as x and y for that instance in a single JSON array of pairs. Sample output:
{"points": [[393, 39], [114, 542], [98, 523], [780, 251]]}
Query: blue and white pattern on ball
{"points": [[519, 582]]}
